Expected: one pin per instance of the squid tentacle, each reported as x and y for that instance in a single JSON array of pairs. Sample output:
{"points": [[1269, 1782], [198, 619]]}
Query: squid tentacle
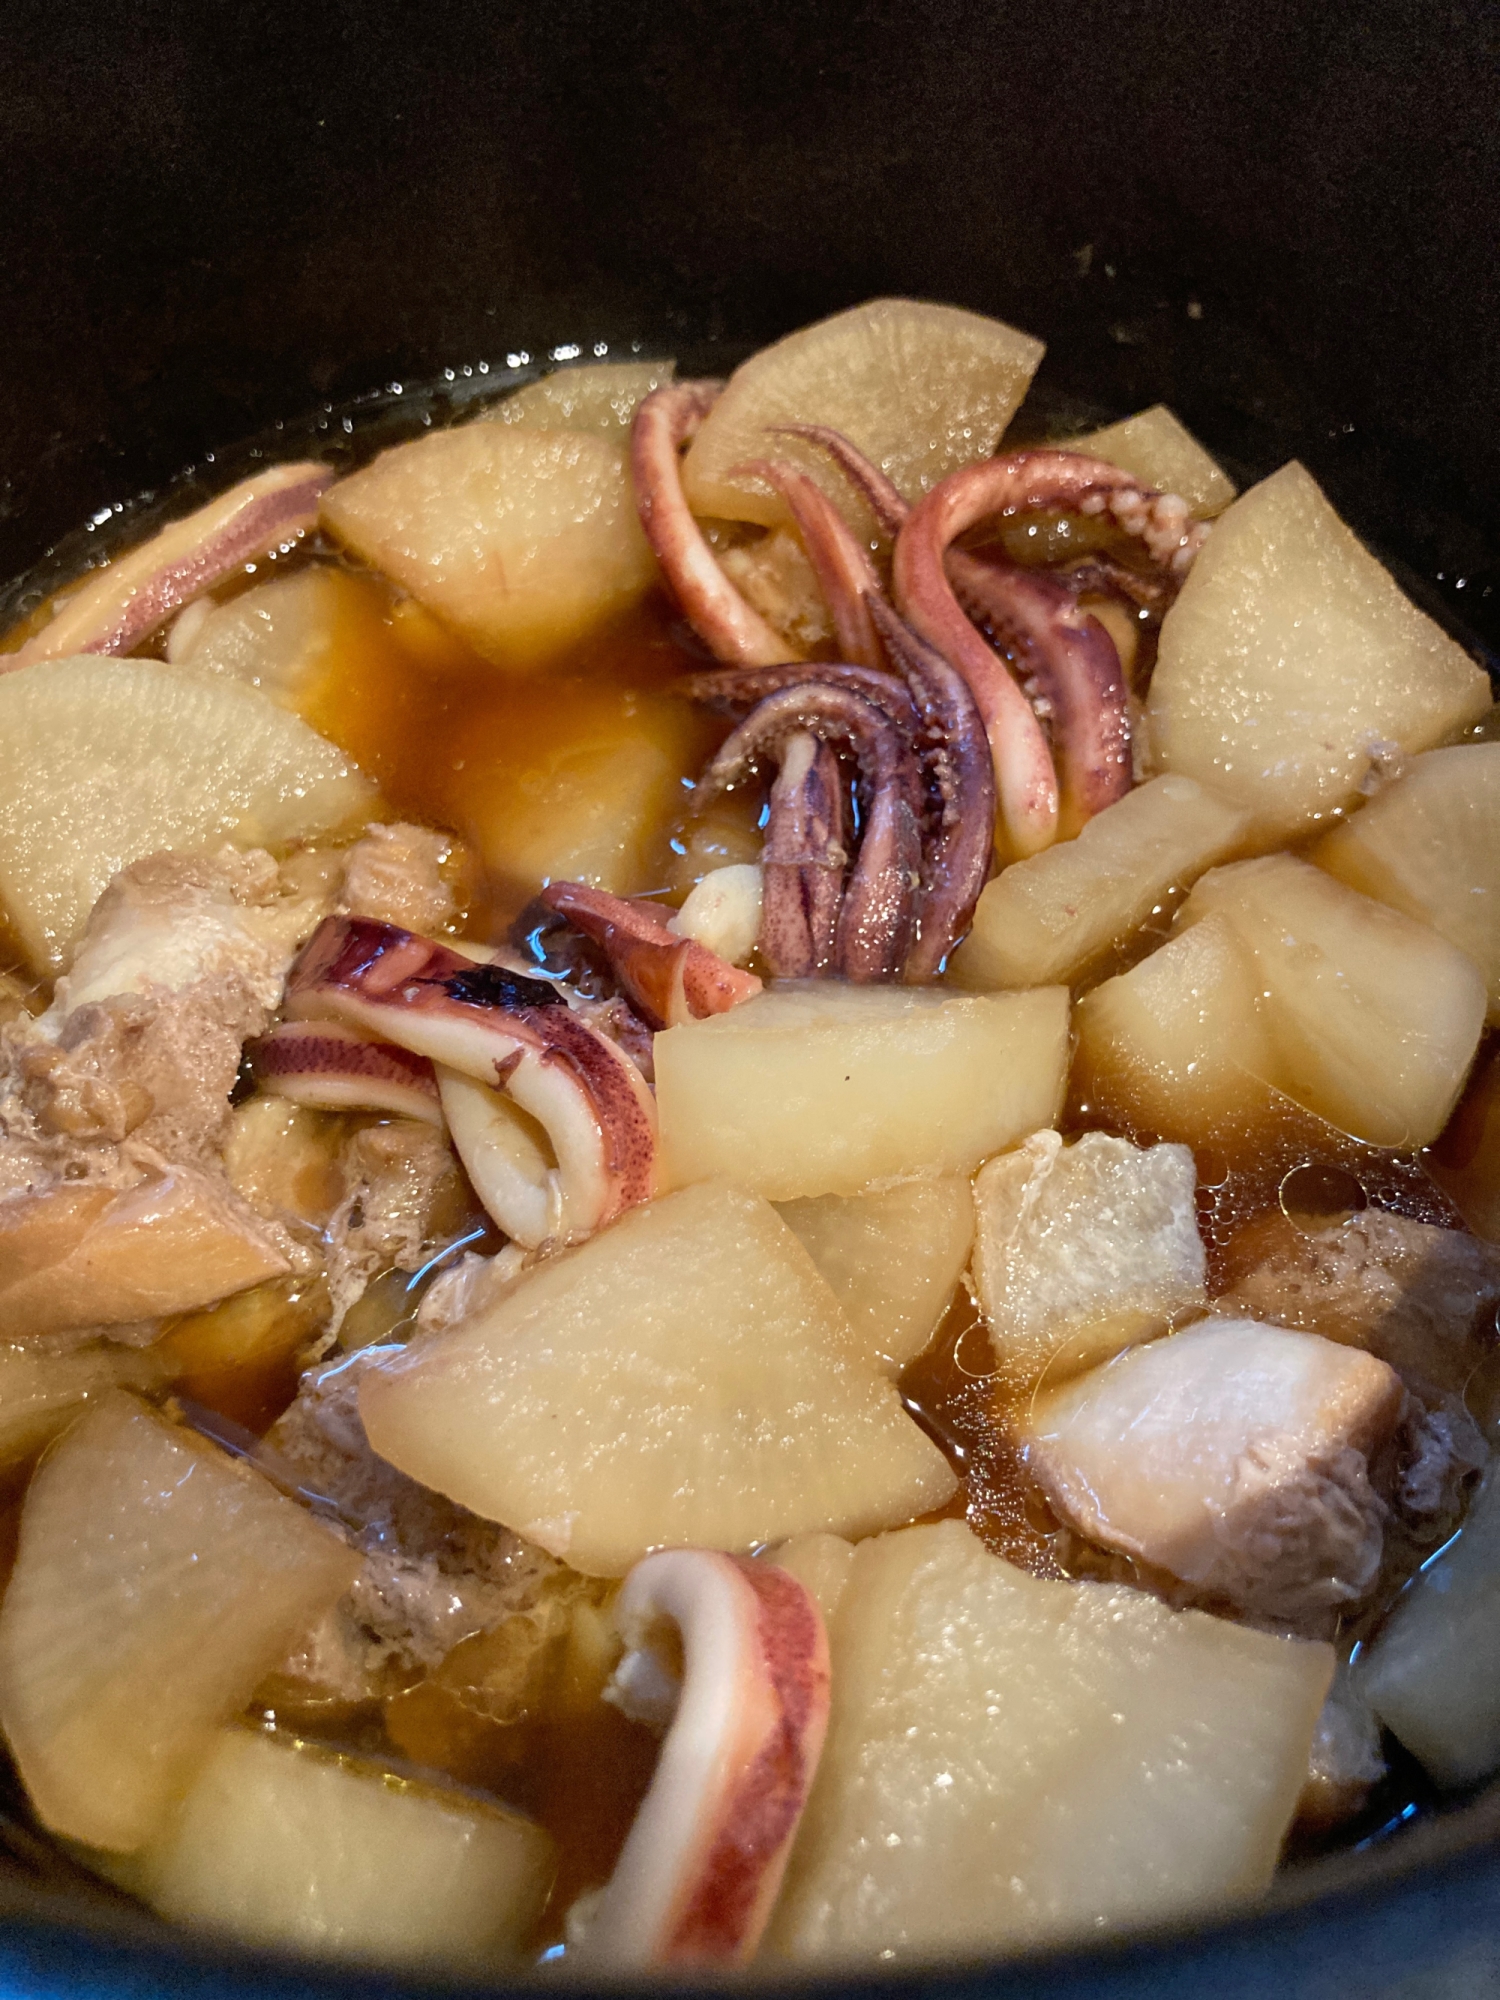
{"points": [[877, 919], [956, 861], [842, 565], [731, 628]]}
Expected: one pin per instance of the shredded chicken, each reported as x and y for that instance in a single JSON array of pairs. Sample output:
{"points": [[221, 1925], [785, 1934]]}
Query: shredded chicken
{"points": [[397, 875], [405, 1199], [433, 1574]]}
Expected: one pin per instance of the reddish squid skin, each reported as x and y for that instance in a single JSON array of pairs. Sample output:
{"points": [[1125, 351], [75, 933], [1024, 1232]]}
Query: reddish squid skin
{"points": [[736, 690], [956, 854], [725, 1914], [701, 1866], [803, 860], [877, 918], [127, 600], [1069, 663], [667, 979], [845, 574], [333, 1068], [481, 1020], [732, 629], [1067, 653]]}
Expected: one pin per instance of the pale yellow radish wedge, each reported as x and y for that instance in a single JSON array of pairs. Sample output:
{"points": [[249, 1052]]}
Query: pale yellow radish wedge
{"points": [[290, 1846], [157, 1582], [684, 1379], [1292, 666], [919, 388]]}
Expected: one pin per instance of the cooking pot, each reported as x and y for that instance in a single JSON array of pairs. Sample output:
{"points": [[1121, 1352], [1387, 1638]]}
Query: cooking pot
{"points": [[1278, 217]]}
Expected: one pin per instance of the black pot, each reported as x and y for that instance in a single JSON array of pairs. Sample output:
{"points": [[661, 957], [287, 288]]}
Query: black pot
{"points": [[1278, 217]]}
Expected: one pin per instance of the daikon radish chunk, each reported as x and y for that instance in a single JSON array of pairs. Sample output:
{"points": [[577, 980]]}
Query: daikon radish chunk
{"points": [[1177, 1046], [522, 540], [921, 389], [1292, 667], [1429, 845], [1050, 918], [683, 1379], [103, 761], [893, 1259], [601, 397], [1373, 1018], [1162, 453], [823, 1088], [291, 1846], [1013, 1762], [1082, 1249], [302, 639], [41, 1394], [157, 1582], [1429, 1672]]}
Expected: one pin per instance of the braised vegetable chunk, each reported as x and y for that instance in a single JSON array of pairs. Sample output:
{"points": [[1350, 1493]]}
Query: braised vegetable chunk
{"points": [[1430, 845], [686, 1378], [791, 1281], [1082, 1249], [822, 1089], [1014, 1762], [602, 398], [103, 761], [1429, 1674], [523, 540], [1373, 1018], [918, 388], [1233, 1455], [281, 1843], [893, 1259], [1291, 666], [157, 1581], [1051, 917], [1163, 453], [1178, 1045]]}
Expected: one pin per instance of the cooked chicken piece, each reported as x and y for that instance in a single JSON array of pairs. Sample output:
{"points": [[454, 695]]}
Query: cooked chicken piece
{"points": [[1345, 1763], [173, 919], [1234, 1456], [401, 875], [182, 960], [405, 1198], [88, 1257], [1421, 1298], [433, 1572], [1082, 1249], [156, 1068]]}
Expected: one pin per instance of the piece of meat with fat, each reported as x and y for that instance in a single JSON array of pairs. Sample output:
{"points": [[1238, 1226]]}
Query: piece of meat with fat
{"points": [[433, 1575], [182, 960], [1235, 1457], [403, 874], [1422, 1298]]}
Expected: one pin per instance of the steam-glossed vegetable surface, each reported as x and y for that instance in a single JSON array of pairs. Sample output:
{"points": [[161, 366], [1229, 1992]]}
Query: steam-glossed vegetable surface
{"points": [[749, 1187]]}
